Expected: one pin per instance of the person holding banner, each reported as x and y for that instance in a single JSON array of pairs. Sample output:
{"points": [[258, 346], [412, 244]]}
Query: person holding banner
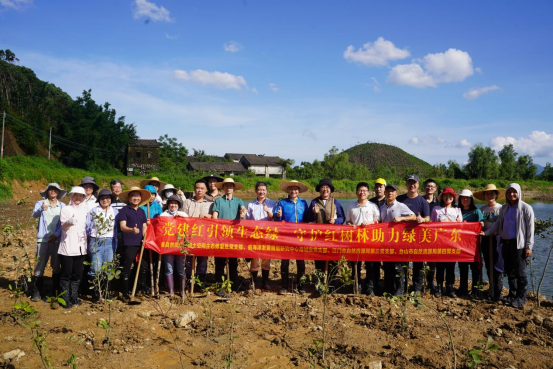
{"points": [[174, 262], [133, 224], [363, 213], [395, 211], [228, 207], [292, 209], [198, 207], [261, 208], [515, 226], [491, 194], [446, 213], [470, 214]]}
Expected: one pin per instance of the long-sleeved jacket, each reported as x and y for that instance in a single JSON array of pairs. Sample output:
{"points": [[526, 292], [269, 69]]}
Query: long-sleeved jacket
{"points": [[293, 212], [38, 212], [73, 235], [525, 221], [312, 217]]}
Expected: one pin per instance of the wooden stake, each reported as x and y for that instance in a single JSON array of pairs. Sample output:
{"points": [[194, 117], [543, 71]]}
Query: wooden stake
{"points": [[356, 285], [138, 268], [490, 271], [326, 272], [158, 272], [151, 259], [192, 274]]}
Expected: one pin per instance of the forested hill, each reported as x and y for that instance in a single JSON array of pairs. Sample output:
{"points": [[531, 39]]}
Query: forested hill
{"points": [[85, 134], [378, 157]]}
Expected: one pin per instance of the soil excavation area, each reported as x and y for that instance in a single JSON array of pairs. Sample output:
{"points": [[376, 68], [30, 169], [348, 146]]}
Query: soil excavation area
{"points": [[262, 329]]}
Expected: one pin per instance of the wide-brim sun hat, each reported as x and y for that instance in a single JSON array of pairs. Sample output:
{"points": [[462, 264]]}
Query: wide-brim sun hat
{"points": [[450, 191], [77, 190], [174, 198], [481, 195], [168, 186], [284, 186], [106, 192], [60, 196], [90, 181], [146, 182], [144, 194], [237, 185], [323, 182]]}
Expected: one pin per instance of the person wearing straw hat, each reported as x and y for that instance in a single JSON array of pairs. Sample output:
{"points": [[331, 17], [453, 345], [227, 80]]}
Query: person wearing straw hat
{"points": [[91, 189], [491, 194], [379, 186], [363, 213], [228, 207], [292, 209], [102, 233], [73, 245], [212, 191], [261, 209], [446, 212], [154, 181], [48, 238], [515, 226], [168, 191], [198, 206], [153, 210], [394, 211], [133, 224], [470, 214], [174, 263]]}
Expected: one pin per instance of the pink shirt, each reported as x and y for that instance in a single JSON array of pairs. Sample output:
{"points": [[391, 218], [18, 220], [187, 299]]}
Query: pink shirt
{"points": [[73, 236]]}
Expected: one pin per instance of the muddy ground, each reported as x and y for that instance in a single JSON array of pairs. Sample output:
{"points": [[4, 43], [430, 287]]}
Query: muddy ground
{"points": [[267, 330]]}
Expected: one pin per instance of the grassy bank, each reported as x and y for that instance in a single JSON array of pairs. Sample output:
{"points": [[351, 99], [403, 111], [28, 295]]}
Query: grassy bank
{"points": [[38, 169]]}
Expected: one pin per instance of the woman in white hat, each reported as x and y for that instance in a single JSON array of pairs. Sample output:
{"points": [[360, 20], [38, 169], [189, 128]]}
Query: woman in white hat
{"points": [[168, 191], [73, 245], [48, 238], [470, 214]]}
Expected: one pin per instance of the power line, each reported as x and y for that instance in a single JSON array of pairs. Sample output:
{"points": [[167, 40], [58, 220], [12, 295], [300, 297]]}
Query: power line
{"points": [[63, 141]]}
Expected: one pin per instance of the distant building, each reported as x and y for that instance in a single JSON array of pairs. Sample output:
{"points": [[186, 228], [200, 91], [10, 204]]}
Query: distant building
{"points": [[142, 156], [263, 165], [234, 157], [221, 168]]}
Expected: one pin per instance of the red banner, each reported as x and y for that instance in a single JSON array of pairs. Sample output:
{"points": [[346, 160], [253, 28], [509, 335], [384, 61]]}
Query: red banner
{"points": [[308, 241]]}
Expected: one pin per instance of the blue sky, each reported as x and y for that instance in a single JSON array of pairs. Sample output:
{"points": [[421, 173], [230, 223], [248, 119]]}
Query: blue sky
{"points": [[294, 78]]}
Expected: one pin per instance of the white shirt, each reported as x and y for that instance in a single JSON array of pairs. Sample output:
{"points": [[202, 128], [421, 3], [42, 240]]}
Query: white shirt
{"points": [[358, 214]]}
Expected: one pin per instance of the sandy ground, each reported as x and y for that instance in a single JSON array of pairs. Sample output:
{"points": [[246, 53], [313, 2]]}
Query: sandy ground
{"points": [[266, 330]]}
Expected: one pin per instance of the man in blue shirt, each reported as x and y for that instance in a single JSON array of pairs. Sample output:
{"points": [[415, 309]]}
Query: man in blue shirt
{"points": [[292, 209]]}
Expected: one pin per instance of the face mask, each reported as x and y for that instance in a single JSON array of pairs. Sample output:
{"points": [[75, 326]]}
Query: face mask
{"points": [[169, 193]]}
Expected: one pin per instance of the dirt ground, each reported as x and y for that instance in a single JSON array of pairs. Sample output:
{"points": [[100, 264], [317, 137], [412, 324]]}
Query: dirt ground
{"points": [[266, 330]]}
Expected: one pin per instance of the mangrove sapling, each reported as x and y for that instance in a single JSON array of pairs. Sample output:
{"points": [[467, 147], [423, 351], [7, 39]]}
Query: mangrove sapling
{"points": [[478, 355], [23, 265], [340, 273], [56, 300]]}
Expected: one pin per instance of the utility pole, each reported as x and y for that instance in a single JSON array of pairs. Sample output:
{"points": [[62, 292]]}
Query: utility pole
{"points": [[50, 143], [3, 124]]}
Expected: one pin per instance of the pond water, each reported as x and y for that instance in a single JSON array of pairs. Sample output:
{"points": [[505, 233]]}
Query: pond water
{"points": [[542, 210]]}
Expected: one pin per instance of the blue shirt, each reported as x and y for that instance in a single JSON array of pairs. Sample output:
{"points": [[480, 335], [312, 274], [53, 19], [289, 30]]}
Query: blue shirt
{"points": [[509, 231], [292, 212]]}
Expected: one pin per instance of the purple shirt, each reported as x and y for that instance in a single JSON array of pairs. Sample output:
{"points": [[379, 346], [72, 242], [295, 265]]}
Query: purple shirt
{"points": [[132, 217], [509, 231]]}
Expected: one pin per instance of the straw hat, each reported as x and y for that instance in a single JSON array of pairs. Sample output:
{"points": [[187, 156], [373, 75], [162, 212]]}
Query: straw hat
{"points": [[237, 185], [480, 195], [284, 186], [61, 193], [450, 191], [146, 182], [145, 194]]}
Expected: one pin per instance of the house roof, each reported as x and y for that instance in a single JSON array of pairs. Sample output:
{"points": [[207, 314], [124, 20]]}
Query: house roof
{"points": [[217, 166], [145, 143], [262, 160], [234, 156]]}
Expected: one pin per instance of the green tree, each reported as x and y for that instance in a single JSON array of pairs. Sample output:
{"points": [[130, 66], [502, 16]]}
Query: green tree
{"points": [[508, 166], [547, 174], [525, 167], [8, 56], [454, 170], [482, 163], [438, 171], [172, 155]]}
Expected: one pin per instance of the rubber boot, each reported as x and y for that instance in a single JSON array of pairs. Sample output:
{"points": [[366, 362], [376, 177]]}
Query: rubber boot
{"points": [[125, 288], [253, 279], [498, 286], [463, 280], [284, 282], [37, 289], [438, 290], [56, 283], [170, 284], [75, 292], [430, 280], [183, 285], [95, 295], [265, 279], [450, 291], [66, 286]]}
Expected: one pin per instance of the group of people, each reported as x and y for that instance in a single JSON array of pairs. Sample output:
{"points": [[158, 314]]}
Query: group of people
{"points": [[96, 225]]}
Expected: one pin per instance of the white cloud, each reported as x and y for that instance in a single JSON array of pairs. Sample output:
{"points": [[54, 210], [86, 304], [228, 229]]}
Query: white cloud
{"points": [[538, 143], [254, 90], [452, 66], [169, 37], [478, 70], [233, 47], [378, 53], [273, 87], [16, 4], [220, 80], [438, 141], [144, 8], [307, 133], [475, 93]]}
